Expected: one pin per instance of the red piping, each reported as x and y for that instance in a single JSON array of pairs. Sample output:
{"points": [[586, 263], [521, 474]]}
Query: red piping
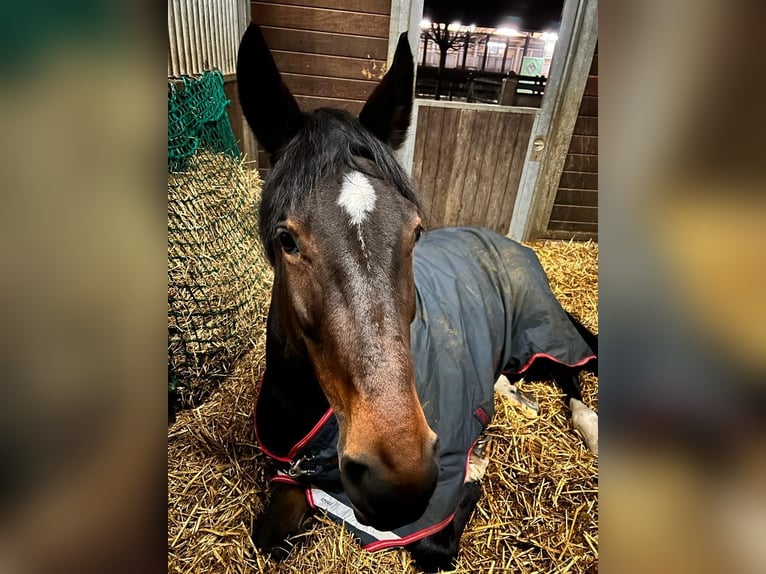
{"points": [[532, 359], [284, 479], [299, 445], [381, 544]]}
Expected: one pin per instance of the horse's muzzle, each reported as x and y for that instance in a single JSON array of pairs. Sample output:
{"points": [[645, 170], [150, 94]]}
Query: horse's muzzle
{"points": [[385, 499]]}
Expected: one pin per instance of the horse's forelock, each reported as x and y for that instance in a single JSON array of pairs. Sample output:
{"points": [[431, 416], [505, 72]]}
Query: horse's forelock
{"points": [[331, 141]]}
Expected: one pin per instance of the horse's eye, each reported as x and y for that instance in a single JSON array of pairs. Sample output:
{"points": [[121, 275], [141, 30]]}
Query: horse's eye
{"points": [[418, 233], [288, 243]]}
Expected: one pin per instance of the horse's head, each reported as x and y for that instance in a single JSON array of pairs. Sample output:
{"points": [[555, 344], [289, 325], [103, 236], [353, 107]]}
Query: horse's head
{"points": [[339, 221]]}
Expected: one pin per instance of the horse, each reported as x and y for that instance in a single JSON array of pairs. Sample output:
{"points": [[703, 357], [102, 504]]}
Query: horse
{"points": [[384, 340]]}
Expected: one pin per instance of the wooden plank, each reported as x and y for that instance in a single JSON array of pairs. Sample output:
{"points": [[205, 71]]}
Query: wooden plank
{"points": [[586, 126], [431, 161], [366, 6], [584, 197], [308, 103], [584, 145], [317, 86], [589, 106], [325, 43], [463, 193], [329, 66], [572, 226], [418, 156], [320, 19], [448, 151], [484, 187], [508, 136], [579, 180], [591, 86], [574, 213], [514, 176], [581, 162]]}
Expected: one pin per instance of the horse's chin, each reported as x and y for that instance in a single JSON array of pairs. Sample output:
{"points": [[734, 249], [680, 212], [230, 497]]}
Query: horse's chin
{"points": [[380, 526], [361, 518]]}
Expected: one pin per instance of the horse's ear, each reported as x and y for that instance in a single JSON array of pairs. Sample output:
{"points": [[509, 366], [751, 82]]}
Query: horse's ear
{"points": [[387, 111], [268, 105]]}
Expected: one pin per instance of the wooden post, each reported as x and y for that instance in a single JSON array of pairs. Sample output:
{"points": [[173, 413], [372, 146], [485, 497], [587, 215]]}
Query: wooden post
{"points": [[505, 55], [484, 59], [406, 15], [554, 124], [425, 48]]}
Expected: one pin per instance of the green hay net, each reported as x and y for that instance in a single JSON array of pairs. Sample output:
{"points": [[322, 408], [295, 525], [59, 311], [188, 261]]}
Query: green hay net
{"points": [[197, 119], [218, 279]]}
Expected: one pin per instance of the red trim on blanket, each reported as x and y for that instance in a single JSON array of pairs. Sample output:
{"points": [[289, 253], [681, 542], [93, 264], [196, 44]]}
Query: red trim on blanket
{"points": [[312, 433], [399, 542], [299, 445], [310, 497], [554, 359], [283, 479]]}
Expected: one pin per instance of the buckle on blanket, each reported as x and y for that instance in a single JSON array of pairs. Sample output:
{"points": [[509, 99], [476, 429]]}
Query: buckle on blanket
{"points": [[295, 469]]}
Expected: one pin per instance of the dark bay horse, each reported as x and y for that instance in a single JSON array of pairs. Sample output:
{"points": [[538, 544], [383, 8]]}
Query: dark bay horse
{"points": [[384, 341]]}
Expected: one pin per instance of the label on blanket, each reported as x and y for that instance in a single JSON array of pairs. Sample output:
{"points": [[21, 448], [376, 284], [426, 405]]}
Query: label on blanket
{"points": [[345, 513]]}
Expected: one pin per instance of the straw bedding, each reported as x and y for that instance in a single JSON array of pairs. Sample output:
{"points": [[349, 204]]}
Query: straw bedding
{"points": [[538, 513]]}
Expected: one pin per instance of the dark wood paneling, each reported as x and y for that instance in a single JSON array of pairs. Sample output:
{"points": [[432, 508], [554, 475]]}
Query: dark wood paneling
{"points": [[584, 145], [325, 43], [584, 197], [574, 213], [467, 162], [586, 126], [571, 235], [591, 87], [320, 19], [589, 106], [366, 6], [329, 66], [331, 53], [570, 226], [579, 180], [581, 162], [575, 209], [308, 103], [328, 87]]}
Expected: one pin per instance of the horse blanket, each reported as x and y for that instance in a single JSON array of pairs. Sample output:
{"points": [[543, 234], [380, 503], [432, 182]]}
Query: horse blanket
{"points": [[484, 307]]}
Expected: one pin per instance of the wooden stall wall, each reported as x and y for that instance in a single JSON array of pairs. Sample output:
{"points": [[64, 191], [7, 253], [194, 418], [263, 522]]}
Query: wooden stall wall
{"points": [[575, 209], [468, 163], [330, 52]]}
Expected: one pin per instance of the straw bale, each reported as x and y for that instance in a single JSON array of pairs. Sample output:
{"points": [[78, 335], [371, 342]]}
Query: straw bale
{"points": [[538, 512], [218, 282]]}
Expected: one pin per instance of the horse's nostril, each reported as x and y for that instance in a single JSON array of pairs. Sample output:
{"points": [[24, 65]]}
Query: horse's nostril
{"points": [[435, 448]]}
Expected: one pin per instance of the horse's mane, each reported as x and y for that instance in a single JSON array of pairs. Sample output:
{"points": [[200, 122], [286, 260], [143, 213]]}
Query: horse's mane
{"points": [[330, 141]]}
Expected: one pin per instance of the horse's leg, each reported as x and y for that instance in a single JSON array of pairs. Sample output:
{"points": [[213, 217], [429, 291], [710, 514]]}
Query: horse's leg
{"points": [[583, 418], [439, 551], [284, 516]]}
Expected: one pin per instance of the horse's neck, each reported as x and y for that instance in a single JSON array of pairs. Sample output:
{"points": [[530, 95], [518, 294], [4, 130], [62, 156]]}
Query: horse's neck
{"points": [[290, 401]]}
